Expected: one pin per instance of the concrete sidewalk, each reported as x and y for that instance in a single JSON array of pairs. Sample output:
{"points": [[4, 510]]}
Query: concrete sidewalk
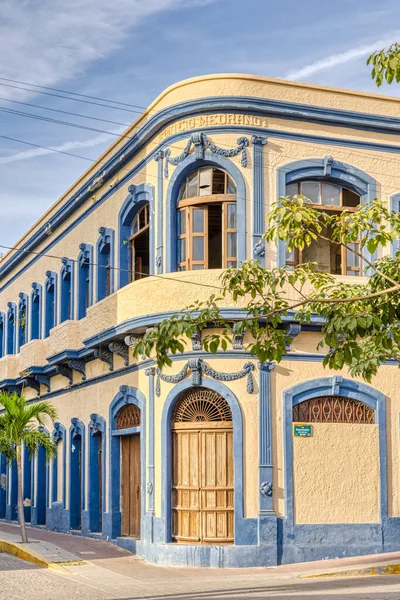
{"points": [[64, 548]]}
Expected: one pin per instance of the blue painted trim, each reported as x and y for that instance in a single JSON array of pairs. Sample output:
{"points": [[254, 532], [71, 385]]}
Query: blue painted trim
{"points": [[59, 435], [395, 206], [245, 529], [3, 329], [67, 290], [265, 466], [85, 279], [76, 201], [341, 173], [12, 491], [22, 335], [3, 488], [36, 305], [126, 395], [105, 256], [27, 483], [11, 335], [97, 438], [139, 195], [50, 302], [159, 157], [150, 372], [149, 320], [76, 486], [191, 163], [332, 386], [258, 244], [249, 105], [127, 431], [42, 486]]}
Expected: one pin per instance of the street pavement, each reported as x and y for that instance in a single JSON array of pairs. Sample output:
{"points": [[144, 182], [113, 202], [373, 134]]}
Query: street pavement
{"points": [[19, 580], [112, 573]]}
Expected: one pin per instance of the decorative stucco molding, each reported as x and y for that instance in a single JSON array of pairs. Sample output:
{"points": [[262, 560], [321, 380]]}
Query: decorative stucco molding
{"points": [[197, 366], [202, 143]]}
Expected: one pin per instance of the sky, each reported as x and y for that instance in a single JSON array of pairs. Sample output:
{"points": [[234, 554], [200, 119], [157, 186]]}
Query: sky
{"points": [[128, 51]]}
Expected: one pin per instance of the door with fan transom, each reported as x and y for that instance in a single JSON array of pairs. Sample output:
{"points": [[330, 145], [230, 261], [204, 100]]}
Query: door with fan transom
{"points": [[202, 466]]}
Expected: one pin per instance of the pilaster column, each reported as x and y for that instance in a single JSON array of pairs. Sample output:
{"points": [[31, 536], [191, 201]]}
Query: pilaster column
{"points": [[265, 440], [258, 197], [159, 158], [150, 477]]}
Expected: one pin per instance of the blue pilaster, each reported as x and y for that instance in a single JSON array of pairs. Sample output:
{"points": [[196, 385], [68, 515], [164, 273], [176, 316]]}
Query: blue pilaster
{"points": [[150, 478], [267, 520], [265, 441], [258, 198], [159, 157]]}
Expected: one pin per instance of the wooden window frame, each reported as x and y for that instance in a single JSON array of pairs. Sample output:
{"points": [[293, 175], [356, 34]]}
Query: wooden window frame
{"points": [[203, 202], [298, 254], [132, 260], [198, 195]]}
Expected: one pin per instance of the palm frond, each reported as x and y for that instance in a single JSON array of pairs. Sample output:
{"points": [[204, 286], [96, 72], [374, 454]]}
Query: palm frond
{"points": [[34, 438], [39, 411]]}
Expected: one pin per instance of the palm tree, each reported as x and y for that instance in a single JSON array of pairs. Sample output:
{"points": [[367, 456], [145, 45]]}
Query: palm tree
{"points": [[21, 424]]}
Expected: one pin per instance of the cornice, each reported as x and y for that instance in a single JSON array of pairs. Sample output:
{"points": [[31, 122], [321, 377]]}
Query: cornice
{"points": [[159, 121]]}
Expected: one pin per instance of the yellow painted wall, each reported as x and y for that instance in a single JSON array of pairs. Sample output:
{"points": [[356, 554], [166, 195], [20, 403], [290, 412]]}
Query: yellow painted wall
{"points": [[174, 291], [336, 474]]}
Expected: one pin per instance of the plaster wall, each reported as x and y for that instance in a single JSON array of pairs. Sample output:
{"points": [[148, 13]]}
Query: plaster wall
{"points": [[336, 474]]}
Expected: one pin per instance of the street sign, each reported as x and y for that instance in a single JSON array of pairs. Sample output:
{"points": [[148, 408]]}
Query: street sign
{"points": [[302, 430]]}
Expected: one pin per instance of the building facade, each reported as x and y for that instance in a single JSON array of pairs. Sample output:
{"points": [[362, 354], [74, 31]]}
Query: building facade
{"points": [[200, 464]]}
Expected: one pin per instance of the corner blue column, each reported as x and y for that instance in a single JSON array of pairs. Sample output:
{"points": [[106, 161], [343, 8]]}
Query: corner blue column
{"points": [[267, 520], [159, 158], [150, 466], [258, 198]]}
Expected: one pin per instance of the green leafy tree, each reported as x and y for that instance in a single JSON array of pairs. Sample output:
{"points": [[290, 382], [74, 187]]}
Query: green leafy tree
{"points": [[360, 320], [385, 64], [21, 425]]}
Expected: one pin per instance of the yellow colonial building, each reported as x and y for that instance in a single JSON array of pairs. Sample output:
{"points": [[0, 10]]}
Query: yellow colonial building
{"points": [[218, 460]]}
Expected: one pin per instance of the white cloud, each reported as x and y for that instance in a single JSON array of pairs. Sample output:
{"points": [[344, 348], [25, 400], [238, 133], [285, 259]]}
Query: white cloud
{"points": [[48, 41], [103, 139], [343, 57]]}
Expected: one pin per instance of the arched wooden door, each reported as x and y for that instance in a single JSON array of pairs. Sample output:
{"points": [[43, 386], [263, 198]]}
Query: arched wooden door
{"points": [[131, 489], [203, 474]]}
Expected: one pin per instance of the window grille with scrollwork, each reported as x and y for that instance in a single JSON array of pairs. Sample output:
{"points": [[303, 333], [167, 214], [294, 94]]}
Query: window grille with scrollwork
{"points": [[128, 416], [333, 409], [199, 404]]}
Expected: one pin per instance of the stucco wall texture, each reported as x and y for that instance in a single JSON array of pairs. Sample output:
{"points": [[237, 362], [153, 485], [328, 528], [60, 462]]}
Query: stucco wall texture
{"points": [[336, 474], [336, 471]]}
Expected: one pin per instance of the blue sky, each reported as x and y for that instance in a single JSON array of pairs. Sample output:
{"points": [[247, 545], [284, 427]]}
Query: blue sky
{"points": [[130, 50]]}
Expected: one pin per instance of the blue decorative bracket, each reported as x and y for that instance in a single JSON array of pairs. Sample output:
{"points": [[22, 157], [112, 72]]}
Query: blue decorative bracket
{"points": [[120, 349], [79, 366], [106, 356]]}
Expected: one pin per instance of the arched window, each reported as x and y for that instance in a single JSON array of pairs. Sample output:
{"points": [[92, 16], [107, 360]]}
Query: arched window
{"points": [[139, 244], [67, 290], [329, 256], [50, 317], [85, 279], [333, 409], [11, 327], [36, 311], [105, 263], [207, 228]]}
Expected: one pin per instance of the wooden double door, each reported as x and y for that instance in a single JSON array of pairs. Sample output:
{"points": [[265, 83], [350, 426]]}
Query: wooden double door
{"points": [[130, 485], [203, 482]]}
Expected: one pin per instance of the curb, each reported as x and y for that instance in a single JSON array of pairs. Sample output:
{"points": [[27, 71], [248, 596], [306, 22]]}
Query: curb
{"points": [[380, 570], [15, 549]]}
